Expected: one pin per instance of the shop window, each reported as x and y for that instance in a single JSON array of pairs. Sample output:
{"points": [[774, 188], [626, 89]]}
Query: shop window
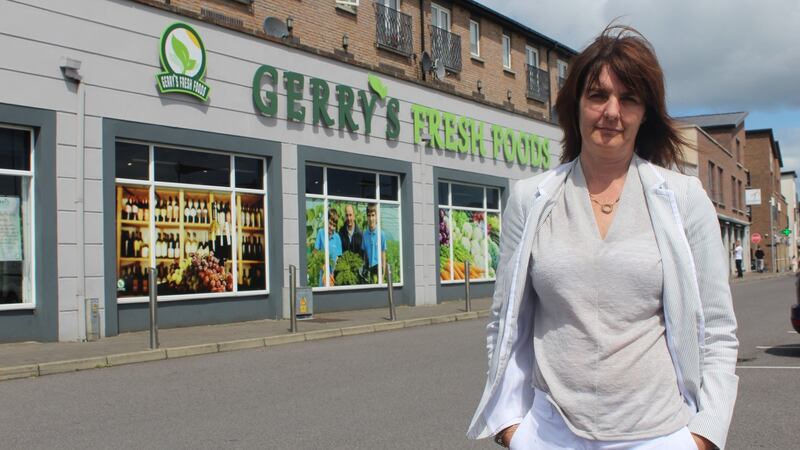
{"points": [[353, 228], [469, 231], [197, 217], [16, 226]]}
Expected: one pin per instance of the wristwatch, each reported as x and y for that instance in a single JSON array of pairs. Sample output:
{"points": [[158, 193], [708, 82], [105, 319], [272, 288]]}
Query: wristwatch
{"points": [[498, 439]]}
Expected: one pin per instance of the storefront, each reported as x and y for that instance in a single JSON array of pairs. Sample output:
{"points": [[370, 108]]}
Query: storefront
{"points": [[233, 159]]}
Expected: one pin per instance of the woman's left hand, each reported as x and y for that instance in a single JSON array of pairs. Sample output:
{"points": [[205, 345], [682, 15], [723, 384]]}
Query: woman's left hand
{"points": [[702, 443]]}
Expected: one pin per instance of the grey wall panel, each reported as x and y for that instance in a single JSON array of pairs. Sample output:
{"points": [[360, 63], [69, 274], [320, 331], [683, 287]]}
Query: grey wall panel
{"points": [[180, 313], [481, 289], [40, 324], [369, 298]]}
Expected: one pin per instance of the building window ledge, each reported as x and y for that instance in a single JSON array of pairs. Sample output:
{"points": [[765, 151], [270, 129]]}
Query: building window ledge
{"points": [[509, 71], [477, 58]]}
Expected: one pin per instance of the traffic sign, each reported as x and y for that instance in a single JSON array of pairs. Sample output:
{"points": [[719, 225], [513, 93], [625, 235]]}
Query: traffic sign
{"points": [[755, 238], [787, 232]]}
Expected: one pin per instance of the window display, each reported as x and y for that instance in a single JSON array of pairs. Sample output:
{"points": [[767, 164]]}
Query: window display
{"points": [[16, 226], [353, 231], [201, 240], [469, 231]]}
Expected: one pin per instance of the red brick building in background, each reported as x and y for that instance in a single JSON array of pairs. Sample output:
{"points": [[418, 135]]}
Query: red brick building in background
{"points": [[769, 218], [716, 156]]}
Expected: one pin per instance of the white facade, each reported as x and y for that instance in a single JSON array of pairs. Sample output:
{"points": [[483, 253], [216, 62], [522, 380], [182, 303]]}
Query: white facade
{"points": [[117, 45]]}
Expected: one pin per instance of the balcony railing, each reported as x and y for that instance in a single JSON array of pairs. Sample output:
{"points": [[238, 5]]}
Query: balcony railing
{"points": [[393, 30], [446, 47], [538, 83]]}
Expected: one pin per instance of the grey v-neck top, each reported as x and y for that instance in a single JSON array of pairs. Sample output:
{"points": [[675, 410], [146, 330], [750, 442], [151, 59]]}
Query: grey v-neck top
{"points": [[599, 335]]}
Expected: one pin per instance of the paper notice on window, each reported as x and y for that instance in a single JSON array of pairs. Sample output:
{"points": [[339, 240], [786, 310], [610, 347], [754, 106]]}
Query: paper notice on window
{"points": [[10, 233]]}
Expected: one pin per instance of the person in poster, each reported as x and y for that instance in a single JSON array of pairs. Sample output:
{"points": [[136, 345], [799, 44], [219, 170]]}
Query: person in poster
{"points": [[370, 244], [334, 244], [350, 234]]}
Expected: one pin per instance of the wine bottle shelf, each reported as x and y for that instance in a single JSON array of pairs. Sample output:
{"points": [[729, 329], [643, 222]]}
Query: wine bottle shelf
{"points": [[197, 226], [132, 259], [251, 261], [253, 229]]}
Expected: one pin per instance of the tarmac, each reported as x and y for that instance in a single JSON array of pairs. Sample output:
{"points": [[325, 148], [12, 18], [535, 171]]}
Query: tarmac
{"points": [[32, 359]]}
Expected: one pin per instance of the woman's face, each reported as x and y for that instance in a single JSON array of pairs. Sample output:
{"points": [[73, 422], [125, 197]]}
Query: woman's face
{"points": [[610, 116]]}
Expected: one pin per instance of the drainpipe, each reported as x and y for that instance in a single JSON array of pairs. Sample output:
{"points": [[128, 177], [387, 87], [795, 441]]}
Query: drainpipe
{"points": [[549, 94], [422, 30], [70, 69], [80, 208]]}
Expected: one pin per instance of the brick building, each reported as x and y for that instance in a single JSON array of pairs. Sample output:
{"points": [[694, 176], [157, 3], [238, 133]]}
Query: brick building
{"points": [[717, 157], [488, 57], [769, 216], [215, 143]]}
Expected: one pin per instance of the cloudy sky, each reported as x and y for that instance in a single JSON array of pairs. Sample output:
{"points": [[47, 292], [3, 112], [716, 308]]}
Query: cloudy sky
{"points": [[717, 55]]}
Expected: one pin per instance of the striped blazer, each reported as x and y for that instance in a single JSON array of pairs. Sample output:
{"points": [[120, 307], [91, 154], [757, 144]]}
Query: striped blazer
{"points": [[698, 311]]}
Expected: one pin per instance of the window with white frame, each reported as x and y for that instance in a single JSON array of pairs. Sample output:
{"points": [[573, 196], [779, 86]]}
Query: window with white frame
{"points": [[562, 69], [474, 38], [531, 56], [469, 231], [197, 216], [16, 224], [440, 17], [506, 51], [353, 228]]}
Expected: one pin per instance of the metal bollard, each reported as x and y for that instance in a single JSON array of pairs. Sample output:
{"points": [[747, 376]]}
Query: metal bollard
{"points": [[466, 287], [392, 313], [293, 298], [153, 286]]}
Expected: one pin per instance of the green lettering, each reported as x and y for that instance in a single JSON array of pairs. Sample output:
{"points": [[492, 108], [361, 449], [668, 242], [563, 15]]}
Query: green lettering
{"points": [[420, 115], [270, 107], [464, 124], [345, 97], [294, 93], [434, 124], [533, 148], [450, 131], [319, 102], [497, 140], [393, 119], [544, 150], [368, 109], [508, 146], [478, 145], [520, 147]]}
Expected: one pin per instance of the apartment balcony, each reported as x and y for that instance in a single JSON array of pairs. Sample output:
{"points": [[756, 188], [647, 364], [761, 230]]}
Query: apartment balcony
{"points": [[446, 47], [538, 83], [393, 30]]}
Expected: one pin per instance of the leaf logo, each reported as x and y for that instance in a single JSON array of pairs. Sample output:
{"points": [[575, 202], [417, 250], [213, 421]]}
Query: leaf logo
{"points": [[182, 52], [377, 86], [183, 58]]}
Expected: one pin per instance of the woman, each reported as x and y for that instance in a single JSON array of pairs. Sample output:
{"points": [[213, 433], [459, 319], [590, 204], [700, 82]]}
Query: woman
{"points": [[612, 325]]}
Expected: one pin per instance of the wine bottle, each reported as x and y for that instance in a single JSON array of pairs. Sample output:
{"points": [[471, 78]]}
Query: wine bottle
{"points": [[176, 210], [145, 282], [186, 211]]}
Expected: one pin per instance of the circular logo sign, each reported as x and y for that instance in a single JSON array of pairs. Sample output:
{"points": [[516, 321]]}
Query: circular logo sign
{"points": [[182, 51], [755, 238], [183, 59]]}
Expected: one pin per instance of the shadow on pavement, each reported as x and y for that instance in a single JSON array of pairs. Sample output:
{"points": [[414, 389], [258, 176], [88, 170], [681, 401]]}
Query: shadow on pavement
{"points": [[789, 350]]}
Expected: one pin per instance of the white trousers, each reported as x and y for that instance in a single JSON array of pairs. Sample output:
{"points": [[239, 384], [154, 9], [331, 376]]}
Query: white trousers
{"points": [[543, 428]]}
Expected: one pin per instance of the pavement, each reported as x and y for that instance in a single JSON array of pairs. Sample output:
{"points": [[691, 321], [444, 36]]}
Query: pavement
{"points": [[31, 359]]}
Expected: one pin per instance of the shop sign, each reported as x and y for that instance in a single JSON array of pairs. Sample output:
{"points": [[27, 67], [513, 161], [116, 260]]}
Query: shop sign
{"points": [[10, 234], [446, 131], [752, 197], [183, 59]]}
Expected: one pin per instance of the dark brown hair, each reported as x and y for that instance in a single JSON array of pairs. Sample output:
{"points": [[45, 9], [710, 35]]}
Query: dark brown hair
{"points": [[631, 57]]}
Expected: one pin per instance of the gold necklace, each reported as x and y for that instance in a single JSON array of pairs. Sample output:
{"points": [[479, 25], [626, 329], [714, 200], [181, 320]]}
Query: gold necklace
{"points": [[605, 208]]}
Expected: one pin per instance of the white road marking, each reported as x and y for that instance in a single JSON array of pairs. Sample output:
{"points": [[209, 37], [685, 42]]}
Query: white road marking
{"points": [[768, 367], [779, 347]]}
